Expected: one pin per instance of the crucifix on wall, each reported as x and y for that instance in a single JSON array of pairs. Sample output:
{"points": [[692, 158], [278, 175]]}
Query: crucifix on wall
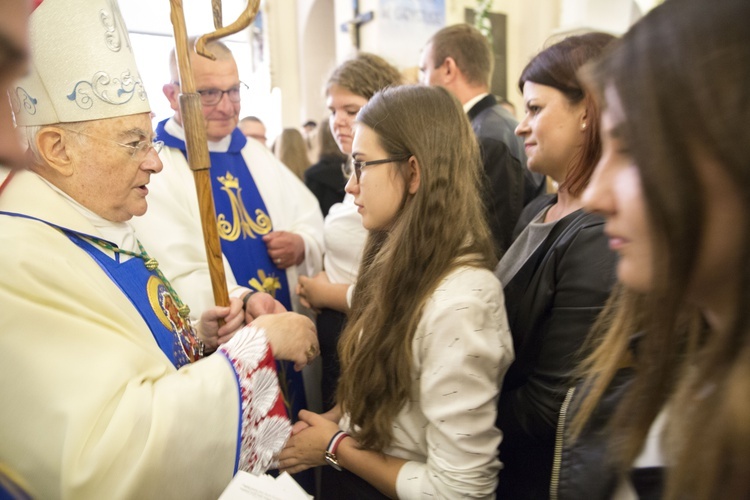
{"points": [[352, 26]]}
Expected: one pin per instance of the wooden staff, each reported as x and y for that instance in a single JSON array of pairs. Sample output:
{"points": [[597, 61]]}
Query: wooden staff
{"points": [[196, 140]]}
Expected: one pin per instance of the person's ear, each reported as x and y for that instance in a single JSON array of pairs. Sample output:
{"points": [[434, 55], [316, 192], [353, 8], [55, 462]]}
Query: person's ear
{"points": [[584, 121], [172, 93], [54, 150], [415, 175], [449, 69]]}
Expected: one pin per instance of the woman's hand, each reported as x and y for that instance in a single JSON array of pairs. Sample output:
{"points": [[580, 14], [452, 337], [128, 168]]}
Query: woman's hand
{"points": [[311, 291], [318, 292], [208, 328], [334, 415], [307, 447]]}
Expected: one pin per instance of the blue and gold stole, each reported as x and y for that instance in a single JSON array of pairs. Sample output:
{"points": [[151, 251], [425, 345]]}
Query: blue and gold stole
{"points": [[148, 294], [241, 217], [242, 220]]}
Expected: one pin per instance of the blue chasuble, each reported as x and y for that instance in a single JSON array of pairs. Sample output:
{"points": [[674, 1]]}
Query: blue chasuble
{"points": [[242, 220], [148, 294]]}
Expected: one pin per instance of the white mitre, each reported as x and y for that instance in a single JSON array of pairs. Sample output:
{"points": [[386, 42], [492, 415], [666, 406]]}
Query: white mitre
{"points": [[82, 66]]}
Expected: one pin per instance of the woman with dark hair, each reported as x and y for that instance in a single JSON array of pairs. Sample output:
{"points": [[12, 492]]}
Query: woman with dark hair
{"points": [[427, 343], [673, 186], [558, 272]]}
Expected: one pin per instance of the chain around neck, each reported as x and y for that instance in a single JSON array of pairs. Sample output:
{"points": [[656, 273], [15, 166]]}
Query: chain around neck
{"points": [[150, 263]]}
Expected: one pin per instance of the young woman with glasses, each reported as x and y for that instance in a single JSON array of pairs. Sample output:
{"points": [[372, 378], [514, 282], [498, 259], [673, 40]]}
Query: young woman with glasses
{"points": [[427, 343], [349, 88]]}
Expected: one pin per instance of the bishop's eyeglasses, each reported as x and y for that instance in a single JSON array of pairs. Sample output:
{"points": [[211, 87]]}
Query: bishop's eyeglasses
{"points": [[138, 149]]}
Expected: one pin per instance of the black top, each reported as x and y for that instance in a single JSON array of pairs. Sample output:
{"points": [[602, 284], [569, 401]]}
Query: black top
{"points": [[552, 302], [587, 467], [326, 181]]}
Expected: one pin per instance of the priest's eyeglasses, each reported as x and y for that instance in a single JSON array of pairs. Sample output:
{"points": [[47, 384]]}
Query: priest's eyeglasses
{"points": [[212, 97], [359, 165], [139, 149]]}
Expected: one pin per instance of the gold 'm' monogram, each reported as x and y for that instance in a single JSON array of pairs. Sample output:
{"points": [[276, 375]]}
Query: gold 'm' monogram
{"points": [[243, 222]]}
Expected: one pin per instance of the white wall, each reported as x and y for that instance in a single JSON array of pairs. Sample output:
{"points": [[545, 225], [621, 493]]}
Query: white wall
{"points": [[610, 16], [317, 55]]}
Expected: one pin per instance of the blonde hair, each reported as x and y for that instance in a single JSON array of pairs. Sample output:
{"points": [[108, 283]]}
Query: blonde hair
{"points": [[364, 75], [291, 150]]}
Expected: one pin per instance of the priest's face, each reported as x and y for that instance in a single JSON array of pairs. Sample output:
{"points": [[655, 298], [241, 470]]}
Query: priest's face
{"points": [[13, 64], [106, 175], [222, 117]]}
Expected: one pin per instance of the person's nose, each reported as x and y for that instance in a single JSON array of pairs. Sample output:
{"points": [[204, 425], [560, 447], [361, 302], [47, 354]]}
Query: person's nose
{"points": [[341, 120], [152, 163], [523, 127], [597, 197], [225, 105], [352, 185]]}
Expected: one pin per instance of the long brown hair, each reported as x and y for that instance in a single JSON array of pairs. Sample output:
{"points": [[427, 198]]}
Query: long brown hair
{"points": [[438, 228], [681, 74], [557, 66]]}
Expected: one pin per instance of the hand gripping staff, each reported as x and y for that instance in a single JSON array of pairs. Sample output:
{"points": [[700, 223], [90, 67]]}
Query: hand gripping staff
{"points": [[195, 128]]}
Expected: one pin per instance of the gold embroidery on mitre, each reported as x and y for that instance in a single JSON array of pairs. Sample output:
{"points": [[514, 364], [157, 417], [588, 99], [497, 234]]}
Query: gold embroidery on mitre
{"points": [[243, 223], [266, 283]]}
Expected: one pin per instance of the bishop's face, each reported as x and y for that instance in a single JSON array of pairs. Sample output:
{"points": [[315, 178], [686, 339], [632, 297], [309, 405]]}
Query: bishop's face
{"points": [[107, 178]]}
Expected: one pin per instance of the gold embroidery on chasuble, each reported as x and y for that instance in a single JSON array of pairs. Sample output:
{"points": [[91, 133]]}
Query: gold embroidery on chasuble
{"points": [[240, 222], [265, 283]]}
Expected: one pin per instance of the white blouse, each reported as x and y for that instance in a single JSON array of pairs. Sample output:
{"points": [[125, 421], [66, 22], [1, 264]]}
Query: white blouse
{"points": [[344, 238], [462, 349]]}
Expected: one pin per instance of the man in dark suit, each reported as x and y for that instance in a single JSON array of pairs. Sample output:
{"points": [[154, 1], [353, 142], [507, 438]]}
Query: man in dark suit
{"points": [[459, 58]]}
